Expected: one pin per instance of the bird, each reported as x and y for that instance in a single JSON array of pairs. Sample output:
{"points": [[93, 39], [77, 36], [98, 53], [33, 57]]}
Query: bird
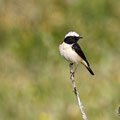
{"points": [[72, 52]]}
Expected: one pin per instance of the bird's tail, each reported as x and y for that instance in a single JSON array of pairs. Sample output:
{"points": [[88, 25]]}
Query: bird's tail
{"points": [[86, 64], [90, 70]]}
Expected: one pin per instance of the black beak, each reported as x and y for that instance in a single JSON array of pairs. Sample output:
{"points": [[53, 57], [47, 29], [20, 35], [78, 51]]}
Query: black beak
{"points": [[80, 37]]}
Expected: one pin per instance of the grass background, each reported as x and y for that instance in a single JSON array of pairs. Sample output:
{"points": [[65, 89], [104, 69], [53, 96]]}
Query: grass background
{"points": [[34, 79]]}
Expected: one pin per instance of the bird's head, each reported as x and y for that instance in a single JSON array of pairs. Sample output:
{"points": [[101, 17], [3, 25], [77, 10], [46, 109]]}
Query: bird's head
{"points": [[72, 37]]}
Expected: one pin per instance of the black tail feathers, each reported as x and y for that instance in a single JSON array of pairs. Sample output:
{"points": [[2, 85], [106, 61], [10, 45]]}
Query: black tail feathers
{"points": [[89, 69]]}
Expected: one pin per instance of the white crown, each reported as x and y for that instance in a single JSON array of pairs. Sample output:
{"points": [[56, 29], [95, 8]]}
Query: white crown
{"points": [[71, 34]]}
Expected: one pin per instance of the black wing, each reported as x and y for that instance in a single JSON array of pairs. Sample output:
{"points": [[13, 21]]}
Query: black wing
{"points": [[79, 51]]}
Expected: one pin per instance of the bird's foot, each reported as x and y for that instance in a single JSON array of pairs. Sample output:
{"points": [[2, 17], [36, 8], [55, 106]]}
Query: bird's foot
{"points": [[72, 73]]}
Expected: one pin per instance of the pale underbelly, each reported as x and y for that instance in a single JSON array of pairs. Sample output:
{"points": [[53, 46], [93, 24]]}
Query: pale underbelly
{"points": [[70, 55]]}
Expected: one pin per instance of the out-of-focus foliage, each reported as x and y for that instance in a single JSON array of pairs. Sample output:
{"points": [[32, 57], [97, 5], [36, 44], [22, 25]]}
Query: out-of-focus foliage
{"points": [[34, 78]]}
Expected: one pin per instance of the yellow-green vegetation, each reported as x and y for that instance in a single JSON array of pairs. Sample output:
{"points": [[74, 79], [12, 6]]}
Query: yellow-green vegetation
{"points": [[34, 79]]}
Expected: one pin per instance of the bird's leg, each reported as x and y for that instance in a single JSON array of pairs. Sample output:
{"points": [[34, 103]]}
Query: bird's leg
{"points": [[75, 68], [71, 69]]}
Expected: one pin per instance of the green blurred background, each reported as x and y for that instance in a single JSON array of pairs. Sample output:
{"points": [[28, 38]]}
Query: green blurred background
{"points": [[34, 79]]}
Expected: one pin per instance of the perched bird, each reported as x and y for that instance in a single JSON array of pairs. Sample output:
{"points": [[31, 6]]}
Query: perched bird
{"points": [[72, 52]]}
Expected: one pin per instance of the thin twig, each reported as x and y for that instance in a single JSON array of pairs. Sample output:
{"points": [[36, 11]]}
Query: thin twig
{"points": [[76, 92]]}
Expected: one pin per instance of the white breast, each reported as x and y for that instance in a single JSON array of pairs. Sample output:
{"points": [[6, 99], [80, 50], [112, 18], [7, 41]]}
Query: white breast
{"points": [[68, 53]]}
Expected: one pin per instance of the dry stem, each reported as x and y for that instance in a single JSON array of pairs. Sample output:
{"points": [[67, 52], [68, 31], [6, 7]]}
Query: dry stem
{"points": [[76, 92]]}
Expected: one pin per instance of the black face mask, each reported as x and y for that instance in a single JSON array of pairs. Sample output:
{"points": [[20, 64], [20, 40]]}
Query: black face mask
{"points": [[72, 39]]}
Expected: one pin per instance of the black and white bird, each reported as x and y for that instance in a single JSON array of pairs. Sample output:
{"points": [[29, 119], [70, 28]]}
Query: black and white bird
{"points": [[72, 52]]}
